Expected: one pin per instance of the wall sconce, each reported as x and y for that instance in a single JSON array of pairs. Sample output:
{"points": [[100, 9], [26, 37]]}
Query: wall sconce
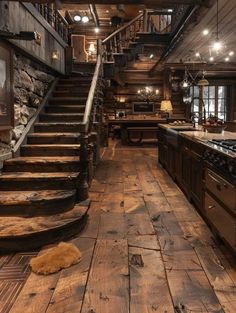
{"points": [[121, 99], [38, 38], [92, 48], [55, 55]]}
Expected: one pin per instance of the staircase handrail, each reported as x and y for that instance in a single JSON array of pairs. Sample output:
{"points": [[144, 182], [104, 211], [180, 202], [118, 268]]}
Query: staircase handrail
{"points": [[122, 28], [92, 94]]}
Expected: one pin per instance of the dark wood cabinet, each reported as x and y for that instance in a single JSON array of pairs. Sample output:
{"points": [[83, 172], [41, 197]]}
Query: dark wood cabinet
{"points": [[182, 158], [197, 180]]}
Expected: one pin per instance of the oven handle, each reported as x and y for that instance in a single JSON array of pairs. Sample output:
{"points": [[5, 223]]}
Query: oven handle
{"points": [[217, 181]]}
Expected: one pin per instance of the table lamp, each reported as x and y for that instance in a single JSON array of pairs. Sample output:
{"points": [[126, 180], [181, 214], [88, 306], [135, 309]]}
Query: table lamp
{"points": [[166, 108]]}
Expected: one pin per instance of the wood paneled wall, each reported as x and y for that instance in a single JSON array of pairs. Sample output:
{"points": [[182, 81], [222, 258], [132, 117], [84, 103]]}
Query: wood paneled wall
{"points": [[15, 17]]}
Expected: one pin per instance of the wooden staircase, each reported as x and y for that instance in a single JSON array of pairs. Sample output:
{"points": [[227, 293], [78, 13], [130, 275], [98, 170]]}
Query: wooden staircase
{"points": [[40, 194]]}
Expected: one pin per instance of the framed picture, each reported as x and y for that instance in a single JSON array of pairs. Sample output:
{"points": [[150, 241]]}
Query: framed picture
{"points": [[143, 108]]}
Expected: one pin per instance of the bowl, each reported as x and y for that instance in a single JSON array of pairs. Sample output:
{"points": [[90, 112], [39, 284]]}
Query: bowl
{"points": [[214, 128]]}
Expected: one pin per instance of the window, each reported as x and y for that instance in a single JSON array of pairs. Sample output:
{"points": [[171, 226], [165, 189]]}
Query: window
{"points": [[214, 98]]}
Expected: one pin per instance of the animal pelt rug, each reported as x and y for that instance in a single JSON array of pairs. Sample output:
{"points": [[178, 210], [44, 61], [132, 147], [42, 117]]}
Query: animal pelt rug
{"points": [[54, 259]]}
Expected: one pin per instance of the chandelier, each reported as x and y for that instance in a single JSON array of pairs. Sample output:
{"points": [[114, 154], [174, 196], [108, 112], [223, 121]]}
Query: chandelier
{"points": [[148, 94], [217, 50], [191, 79]]}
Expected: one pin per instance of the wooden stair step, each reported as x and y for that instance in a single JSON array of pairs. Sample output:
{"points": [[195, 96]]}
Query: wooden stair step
{"points": [[36, 203], [42, 164], [22, 234], [65, 109], [50, 150], [64, 127], [72, 87], [75, 81], [60, 117], [53, 138], [70, 93], [67, 100], [38, 181]]}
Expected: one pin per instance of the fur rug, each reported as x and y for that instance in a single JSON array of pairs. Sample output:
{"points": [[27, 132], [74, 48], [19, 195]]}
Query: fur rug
{"points": [[54, 259]]}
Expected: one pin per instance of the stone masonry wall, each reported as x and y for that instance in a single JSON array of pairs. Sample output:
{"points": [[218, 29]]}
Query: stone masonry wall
{"points": [[31, 83]]}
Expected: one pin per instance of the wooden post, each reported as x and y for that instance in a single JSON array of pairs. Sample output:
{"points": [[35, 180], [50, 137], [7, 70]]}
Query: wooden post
{"points": [[145, 20], [84, 168]]}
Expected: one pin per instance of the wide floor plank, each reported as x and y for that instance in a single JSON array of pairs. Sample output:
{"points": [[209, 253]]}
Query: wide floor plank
{"points": [[108, 285]]}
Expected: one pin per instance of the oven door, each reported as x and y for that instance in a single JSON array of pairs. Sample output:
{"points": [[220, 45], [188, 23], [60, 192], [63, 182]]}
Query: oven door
{"points": [[222, 189], [223, 222]]}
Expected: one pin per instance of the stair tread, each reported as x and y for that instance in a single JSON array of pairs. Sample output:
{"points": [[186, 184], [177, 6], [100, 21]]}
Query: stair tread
{"points": [[63, 114], [68, 98], [9, 198], [69, 146], [58, 123], [13, 227], [43, 159], [32, 175], [57, 134]]}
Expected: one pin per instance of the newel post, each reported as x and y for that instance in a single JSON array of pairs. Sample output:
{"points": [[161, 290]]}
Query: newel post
{"points": [[84, 167]]}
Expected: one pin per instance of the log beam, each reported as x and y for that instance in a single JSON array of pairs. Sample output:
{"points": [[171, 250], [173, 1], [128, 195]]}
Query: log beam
{"points": [[160, 3]]}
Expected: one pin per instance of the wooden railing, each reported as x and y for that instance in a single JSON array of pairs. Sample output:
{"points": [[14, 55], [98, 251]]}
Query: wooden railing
{"points": [[54, 18], [120, 39], [92, 122], [159, 22]]}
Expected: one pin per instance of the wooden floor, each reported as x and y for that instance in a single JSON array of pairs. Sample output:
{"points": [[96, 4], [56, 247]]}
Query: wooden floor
{"points": [[145, 250]]}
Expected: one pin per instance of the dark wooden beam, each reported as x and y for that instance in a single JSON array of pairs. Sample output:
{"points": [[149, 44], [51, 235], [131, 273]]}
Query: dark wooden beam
{"points": [[160, 3], [93, 11]]}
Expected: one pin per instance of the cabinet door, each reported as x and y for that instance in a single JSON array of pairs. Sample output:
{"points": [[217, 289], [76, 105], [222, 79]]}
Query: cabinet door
{"points": [[171, 160], [186, 170], [196, 180]]}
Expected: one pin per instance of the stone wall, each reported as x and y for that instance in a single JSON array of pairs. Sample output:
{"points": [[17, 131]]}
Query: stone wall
{"points": [[31, 83]]}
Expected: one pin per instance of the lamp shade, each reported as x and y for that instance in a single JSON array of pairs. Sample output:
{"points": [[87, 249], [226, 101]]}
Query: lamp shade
{"points": [[166, 105]]}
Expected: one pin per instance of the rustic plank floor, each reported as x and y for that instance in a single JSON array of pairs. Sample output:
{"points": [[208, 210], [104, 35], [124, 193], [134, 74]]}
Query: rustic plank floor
{"points": [[145, 249]]}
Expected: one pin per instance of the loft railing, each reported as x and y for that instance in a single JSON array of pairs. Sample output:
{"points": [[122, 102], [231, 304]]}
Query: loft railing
{"points": [[120, 39], [54, 18], [159, 22]]}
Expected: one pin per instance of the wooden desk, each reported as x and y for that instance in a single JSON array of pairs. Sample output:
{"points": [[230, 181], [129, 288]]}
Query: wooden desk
{"points": [[135, 121]]}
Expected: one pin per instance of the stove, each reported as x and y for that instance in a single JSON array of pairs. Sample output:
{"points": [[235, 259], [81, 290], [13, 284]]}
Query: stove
{"points": [[221, 154], [228, 144]]}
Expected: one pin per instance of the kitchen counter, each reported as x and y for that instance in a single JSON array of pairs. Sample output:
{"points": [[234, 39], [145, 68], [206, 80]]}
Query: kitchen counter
{"points": [[199, 135]]}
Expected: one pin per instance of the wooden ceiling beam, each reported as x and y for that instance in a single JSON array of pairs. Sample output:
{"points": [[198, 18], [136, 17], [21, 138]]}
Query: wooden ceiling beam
{"points": [[159, 3]]}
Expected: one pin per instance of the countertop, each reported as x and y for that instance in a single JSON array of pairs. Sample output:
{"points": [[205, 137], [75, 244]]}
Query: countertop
{"points": [[197, 134]]}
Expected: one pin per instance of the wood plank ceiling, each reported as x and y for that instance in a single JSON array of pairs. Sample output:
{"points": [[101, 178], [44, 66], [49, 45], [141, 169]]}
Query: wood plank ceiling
{"points": [[194, 41]]}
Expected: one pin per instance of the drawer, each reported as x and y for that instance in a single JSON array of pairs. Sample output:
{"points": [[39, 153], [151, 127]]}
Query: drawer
{"points": [[221, 188], [221, 219]]}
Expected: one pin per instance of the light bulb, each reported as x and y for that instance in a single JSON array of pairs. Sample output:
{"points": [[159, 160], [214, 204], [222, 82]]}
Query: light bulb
{"points": [[151, 56], [96, 29], [77, 18], [227, 59], [85, 19], [205, 32], [157, 91], [185, 84], [211, 59], [231, 53], [197, 54], [217, 45]]}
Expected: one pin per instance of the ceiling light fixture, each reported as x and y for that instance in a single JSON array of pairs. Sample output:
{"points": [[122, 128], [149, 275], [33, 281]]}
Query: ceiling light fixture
{"points": [[96, 29], [205, 32], [85, 19], [77, 18]]}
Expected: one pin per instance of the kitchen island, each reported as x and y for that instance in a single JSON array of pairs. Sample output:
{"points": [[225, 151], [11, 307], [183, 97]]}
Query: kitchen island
{"points": [[204, 166]]}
